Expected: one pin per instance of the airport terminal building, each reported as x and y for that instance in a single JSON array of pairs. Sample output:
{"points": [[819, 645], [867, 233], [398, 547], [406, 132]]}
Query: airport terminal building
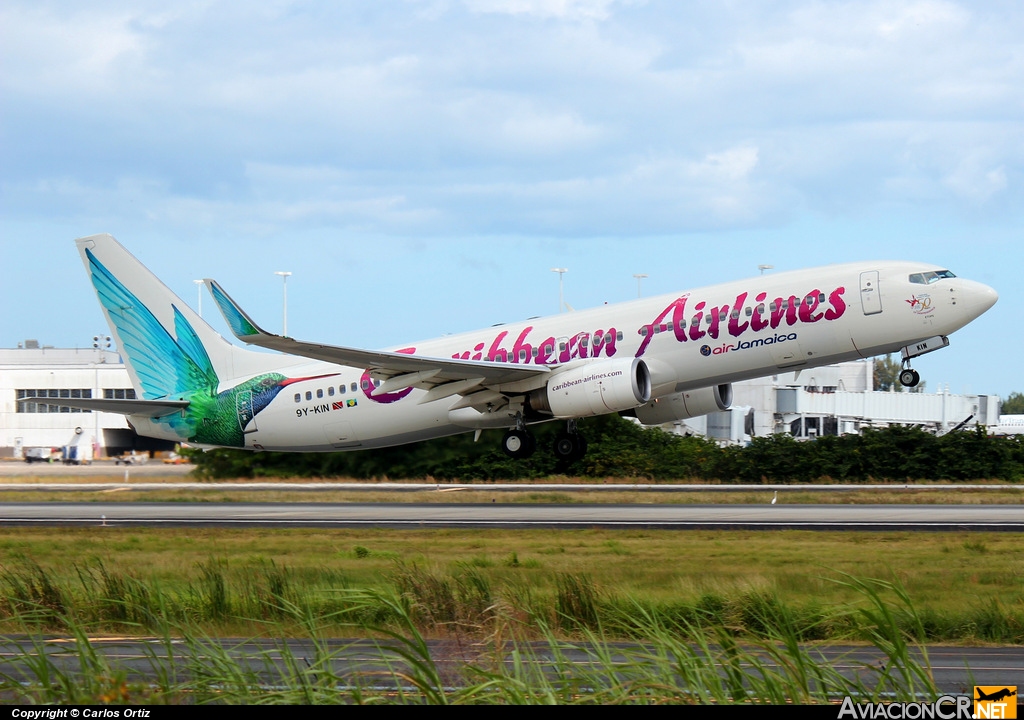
{"points": [[33, 381], [838, 400], [830, 400]]}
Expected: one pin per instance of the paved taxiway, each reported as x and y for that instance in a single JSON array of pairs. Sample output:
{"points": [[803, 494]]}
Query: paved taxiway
{"points": [[955, 670], [519, 515]]}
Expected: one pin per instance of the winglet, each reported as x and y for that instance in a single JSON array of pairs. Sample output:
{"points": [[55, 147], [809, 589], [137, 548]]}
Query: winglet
{"points": [[241, 324]]}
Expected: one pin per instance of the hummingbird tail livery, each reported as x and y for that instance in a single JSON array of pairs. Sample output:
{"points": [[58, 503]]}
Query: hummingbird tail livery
{"points": [[659, 359]]}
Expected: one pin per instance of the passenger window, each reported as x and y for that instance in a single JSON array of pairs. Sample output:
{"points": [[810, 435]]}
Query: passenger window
{"points": [[365, 384], [309, 395], [320, 393], [330, 391], [618, 336], [298, 397], [354, 387], [341, 389]]}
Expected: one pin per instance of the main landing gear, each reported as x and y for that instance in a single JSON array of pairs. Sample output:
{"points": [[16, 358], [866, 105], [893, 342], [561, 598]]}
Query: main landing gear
{"points": [[569, 445], [519, 443]]}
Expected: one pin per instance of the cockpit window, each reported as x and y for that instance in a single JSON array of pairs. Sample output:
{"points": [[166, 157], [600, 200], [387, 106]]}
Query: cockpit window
{"points": [[927, 278]]}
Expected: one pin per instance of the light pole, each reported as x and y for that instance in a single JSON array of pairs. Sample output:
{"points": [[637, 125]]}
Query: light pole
{"points": [[762, 268], [639, 277], [284, 276], [199, 295], [561, 295]]}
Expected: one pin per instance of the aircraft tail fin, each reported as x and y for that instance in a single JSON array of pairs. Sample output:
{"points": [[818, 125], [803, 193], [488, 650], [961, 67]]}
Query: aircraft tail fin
{"points": [[168, 349]]}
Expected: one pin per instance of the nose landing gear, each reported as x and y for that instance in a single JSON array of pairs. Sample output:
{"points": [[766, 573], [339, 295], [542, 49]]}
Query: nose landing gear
{"points": [[909, 377]]}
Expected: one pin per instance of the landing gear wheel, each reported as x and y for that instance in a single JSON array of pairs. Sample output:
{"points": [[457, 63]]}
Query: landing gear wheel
{"points": [[518, 444], [909, 378], [570, 447]]}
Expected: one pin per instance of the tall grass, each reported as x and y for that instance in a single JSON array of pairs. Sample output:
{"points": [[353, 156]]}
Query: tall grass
{"points": [[511, 664], [464, 601]]}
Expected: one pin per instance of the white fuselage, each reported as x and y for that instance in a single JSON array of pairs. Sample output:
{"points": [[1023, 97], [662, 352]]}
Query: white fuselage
{"points": [[1010, 425], [696, 339]]}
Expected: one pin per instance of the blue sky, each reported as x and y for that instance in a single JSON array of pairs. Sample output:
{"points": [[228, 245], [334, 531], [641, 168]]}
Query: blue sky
{"points": [[420, 166]]}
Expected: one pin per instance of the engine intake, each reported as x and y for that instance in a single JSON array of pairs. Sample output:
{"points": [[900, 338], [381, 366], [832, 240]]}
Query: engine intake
{"points": [[597, 388], [680, 406]]}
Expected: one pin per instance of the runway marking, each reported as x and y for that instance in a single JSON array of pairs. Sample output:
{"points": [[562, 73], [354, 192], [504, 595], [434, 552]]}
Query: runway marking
{"points": [[739, 524]]}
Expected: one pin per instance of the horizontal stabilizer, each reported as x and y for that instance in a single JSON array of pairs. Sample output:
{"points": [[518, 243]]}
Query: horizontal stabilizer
{"points": [[152, 408]]}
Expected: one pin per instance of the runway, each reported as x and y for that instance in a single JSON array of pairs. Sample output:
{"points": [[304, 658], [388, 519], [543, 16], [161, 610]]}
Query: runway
{"points": [[519, 515]]}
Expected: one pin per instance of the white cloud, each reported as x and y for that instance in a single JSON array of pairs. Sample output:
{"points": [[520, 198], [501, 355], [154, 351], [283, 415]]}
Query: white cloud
{"points": [[976, 179], [560, 9]]}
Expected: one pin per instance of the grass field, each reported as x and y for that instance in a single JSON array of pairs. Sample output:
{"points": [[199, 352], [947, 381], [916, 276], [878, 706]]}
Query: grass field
{"points": [[968, 586], [795, 495]]}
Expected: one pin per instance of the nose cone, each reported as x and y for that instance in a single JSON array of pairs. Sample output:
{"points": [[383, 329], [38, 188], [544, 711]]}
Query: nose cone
{"points": [[979, 298]]}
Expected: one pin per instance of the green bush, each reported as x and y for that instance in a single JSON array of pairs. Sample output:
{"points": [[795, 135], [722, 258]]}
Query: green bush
{"points": [[620, 448]]}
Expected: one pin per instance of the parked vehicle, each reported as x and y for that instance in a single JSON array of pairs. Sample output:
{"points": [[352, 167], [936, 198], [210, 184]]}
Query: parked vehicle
{"points": [[175, 459], [132, 458], [34, 455]]}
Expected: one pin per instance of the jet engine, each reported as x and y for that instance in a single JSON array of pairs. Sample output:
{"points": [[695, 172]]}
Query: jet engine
{"points": [[680, 406], [596, 388]]}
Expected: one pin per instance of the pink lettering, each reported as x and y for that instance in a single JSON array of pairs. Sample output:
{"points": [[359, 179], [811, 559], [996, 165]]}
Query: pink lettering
{"points": [[838, 304], [522, 351], [366, 383], [547, 348], [757, 322], [678, 324], [717, 314], [695, 332], [498, 354], [735, 327], [604, 341], [808, 306], [785, 308]]}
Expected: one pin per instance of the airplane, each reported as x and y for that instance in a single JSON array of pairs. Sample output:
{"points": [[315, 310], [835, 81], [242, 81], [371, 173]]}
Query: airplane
{"points": [[658, 359], [1010, 425], [996, 696]]}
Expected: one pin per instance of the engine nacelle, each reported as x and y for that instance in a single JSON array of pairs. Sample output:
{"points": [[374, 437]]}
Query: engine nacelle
{"points": [[680, 406], [597, 388]]}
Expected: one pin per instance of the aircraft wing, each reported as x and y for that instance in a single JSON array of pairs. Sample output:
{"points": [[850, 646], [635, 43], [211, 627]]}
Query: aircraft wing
{"points": [[399, 370], [153, 408]]}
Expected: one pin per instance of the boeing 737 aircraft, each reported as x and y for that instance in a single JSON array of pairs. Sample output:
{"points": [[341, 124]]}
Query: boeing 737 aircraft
{"points": [[658, 359]]}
